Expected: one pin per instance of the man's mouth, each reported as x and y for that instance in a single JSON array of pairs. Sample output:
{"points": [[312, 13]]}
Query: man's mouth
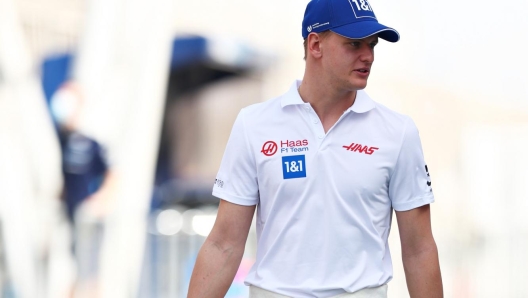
{"points": [[362, 70]]}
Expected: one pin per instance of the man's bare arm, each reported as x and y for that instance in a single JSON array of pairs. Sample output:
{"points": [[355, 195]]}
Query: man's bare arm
{"points": [[419, 253], [222, 251]]}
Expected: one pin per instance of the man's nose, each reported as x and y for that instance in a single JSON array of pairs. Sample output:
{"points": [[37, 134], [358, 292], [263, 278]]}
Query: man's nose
{"points": [[367, 54]]}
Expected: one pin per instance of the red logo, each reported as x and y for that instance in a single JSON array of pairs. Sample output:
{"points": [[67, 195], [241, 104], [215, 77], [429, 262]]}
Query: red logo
{"points": [[294, 143], [361, 149], [269, 148]]}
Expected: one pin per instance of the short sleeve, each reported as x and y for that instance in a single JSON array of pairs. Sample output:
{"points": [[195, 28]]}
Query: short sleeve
{"points": [[236, 181], [410, 183]]}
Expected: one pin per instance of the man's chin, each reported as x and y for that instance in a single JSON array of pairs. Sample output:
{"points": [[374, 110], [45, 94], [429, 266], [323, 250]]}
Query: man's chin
{"points": [[359, 83], [359, 86]]}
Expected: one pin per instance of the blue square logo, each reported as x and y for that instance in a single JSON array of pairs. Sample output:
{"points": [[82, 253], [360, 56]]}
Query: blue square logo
{"points": [[293, 167], [362, 9]]}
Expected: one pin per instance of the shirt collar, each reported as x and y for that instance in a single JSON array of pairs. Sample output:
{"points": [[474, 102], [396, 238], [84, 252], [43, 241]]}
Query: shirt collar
{"points": [[292, 97], [362, 104]]}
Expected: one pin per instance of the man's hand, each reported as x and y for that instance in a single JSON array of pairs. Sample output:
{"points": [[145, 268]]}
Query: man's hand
{"points": [[222, 251], [419, 253]]}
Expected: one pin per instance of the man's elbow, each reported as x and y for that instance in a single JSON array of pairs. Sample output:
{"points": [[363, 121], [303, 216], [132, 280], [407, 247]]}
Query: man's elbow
{"points": [[224, 248], [226, 244]]}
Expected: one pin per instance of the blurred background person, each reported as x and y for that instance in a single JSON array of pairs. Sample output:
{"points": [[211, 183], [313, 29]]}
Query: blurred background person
{"points": [[122, 66], [87, 173], [89, 182]]}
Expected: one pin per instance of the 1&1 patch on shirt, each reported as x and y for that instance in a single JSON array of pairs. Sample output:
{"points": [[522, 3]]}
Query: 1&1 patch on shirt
{"points": [[293, 167]]}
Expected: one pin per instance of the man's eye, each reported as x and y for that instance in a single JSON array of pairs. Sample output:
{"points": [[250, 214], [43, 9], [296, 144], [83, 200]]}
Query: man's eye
{"points": [[372, 45], [355, 44]]}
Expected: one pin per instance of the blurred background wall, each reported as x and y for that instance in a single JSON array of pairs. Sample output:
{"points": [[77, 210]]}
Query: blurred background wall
{"points": [[458, 71]]}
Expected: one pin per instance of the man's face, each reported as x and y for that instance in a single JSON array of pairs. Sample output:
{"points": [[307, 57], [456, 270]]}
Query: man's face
{"points": [[348, 62]]}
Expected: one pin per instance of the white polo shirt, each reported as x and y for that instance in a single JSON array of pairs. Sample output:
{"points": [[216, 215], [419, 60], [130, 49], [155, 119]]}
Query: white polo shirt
{"points": [[324, 200]]}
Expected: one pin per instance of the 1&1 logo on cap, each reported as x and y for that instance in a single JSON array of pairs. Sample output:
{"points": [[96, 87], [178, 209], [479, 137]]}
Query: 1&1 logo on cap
{"points": [[293, 166], [362, 9]]}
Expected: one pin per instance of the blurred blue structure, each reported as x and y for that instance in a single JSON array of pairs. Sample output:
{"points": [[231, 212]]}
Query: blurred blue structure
{"points": [[195, 61], [55, 71]]}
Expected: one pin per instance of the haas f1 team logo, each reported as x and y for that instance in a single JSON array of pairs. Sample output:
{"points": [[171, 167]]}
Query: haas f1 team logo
{"points": [[361, 149], [287, 146], [269, 148]]}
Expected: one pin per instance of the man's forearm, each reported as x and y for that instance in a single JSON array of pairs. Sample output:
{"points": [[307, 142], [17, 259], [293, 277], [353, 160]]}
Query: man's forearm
{"points": [[422, 271], [215, 270]]}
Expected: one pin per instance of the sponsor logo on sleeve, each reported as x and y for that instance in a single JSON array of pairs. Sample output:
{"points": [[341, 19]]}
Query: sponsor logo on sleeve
{"points": [[428, 178], [219, 183]]}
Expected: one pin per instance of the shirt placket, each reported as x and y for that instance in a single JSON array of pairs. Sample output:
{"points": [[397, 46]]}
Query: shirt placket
{"points": [[317, 126]]}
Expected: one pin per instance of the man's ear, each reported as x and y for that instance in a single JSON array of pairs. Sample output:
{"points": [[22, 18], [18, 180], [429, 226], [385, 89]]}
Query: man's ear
{"points": [[314, 45]]}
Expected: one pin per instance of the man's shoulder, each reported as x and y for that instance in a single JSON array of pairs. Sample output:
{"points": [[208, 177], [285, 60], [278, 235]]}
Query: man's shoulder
{"points": [[274, 106], [394, 122], [390, 115], [262, 110]]}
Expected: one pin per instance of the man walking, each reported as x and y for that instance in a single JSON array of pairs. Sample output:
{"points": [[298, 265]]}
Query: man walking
{"points": [[325, 165]]}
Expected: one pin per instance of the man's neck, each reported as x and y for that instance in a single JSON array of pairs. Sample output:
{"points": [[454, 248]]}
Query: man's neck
{"points": [[328, 102]]}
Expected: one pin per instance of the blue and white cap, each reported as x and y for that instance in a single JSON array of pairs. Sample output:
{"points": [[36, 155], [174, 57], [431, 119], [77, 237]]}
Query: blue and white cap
{"points": [[353, 19]]}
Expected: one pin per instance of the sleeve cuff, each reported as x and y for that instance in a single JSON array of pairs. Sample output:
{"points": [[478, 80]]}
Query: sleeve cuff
{"points": [[418, 202], [244, 201]]}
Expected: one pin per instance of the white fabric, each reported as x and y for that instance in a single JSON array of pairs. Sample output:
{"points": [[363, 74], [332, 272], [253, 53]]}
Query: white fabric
{"points": [[326, 233], [378, 292]]}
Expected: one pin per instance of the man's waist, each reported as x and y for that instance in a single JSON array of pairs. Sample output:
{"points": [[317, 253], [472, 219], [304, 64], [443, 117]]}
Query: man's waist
{"points": [[376, 292]]}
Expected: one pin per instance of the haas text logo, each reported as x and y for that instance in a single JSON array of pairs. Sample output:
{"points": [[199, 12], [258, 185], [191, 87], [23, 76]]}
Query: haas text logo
{"points": [[361, 149]]}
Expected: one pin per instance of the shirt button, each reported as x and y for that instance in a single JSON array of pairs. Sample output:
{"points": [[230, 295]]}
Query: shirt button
{"points": [[316, 121], [307, 107], [320, 137]]}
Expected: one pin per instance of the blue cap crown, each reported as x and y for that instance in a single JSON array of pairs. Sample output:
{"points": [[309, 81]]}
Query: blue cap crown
{"points": [[353, 19]]}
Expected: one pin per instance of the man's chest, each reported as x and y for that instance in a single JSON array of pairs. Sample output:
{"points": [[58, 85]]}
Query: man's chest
{"points": [[342, 162]]}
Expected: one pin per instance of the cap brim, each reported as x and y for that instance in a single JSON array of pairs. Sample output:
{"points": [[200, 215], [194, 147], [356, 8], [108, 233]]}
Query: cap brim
{"points": [[360, 30]]}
